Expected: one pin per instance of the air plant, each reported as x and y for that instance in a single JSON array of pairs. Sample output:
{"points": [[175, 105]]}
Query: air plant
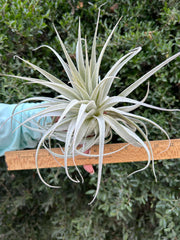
{"points": [[85, 114]]}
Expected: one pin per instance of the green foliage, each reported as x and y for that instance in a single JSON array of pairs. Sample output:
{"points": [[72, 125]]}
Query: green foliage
{"points": [[127, 208]]}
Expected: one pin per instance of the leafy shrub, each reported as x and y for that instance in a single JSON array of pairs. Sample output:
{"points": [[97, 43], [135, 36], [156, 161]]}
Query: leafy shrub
{"points": [[126, 208]]}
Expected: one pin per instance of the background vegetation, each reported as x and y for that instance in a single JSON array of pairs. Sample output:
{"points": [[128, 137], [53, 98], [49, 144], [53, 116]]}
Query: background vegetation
{"points": [[127, 208]]}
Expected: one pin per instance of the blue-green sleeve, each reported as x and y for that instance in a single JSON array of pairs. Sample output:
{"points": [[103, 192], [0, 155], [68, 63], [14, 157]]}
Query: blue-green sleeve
{"points": [[23, 137]]}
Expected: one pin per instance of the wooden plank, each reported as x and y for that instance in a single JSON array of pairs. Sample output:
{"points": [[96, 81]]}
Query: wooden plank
{"points": [[25, 159]]}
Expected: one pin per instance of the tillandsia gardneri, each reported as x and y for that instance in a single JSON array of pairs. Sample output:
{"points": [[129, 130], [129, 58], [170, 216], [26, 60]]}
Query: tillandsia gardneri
{"points": [[85, 114]]}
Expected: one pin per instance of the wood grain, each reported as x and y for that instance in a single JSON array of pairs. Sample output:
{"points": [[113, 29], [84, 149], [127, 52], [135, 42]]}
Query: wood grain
{"points": [[25, 159]]}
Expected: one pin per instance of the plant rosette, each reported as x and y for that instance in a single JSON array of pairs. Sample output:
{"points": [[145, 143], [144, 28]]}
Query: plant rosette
{"points": [[85, 114]]}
